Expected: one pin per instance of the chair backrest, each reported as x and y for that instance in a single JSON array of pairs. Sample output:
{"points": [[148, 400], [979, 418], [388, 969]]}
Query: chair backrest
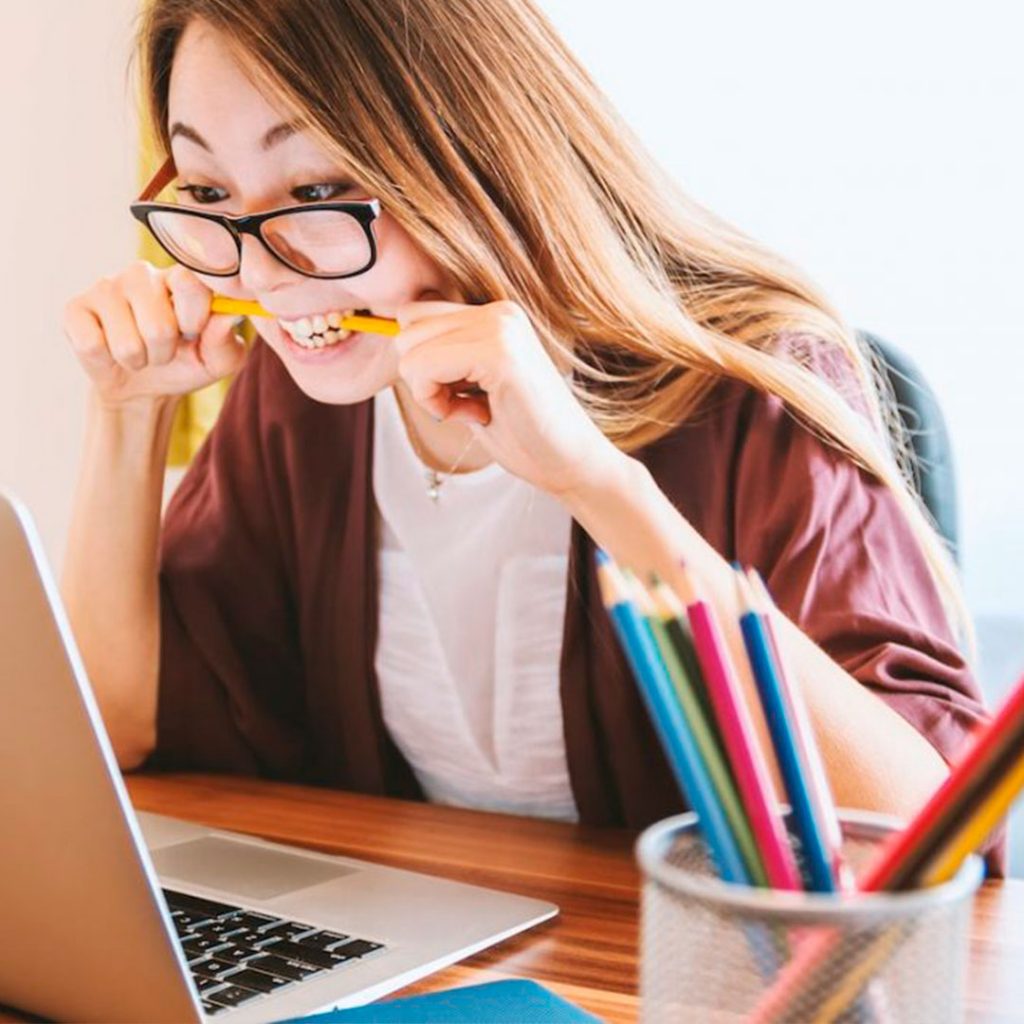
{"points": [[934, 474]]}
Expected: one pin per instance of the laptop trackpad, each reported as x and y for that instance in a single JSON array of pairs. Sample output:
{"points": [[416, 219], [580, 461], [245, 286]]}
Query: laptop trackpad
{"points": [[243, 869]]}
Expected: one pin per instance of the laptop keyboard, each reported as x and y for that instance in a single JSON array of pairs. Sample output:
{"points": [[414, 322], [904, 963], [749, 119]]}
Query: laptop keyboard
{"points": [[237, 955]]}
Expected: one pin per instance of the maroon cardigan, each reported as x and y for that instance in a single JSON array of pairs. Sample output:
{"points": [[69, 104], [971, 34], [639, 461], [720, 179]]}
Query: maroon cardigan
{"points": [[268, 595]]}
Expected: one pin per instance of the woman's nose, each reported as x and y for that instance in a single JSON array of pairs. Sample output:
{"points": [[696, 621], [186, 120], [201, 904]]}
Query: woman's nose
{"points": [[259, 271]]}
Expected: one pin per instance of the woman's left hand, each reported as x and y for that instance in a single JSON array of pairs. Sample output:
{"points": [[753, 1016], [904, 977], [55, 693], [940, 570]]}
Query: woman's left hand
{"points": [[484, 365]]}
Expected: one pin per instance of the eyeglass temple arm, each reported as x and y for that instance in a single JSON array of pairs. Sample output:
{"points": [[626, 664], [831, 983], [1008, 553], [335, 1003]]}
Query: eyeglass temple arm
{"points": [[159, 180]]}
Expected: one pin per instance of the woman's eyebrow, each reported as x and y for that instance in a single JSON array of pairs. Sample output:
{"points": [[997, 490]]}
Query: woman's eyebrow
{"points": [[271, 138]]}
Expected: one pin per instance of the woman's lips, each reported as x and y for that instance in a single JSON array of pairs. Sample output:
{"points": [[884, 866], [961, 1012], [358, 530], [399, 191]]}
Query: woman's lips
{"points": [[319, 330], [304, 353]]}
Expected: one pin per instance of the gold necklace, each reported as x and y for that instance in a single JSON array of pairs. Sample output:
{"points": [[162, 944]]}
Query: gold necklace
{"points": [[434, 478]]}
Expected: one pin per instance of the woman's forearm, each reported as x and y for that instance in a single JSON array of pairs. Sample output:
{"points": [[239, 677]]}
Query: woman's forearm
{"points": [[875, 758], [109, 582]]}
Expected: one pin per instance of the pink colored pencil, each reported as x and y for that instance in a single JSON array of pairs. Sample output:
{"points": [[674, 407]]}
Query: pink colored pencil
{"points": [[752, 777]]}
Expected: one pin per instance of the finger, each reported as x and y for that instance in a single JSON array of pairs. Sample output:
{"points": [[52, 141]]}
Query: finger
{"points": [[220, 349], [118, 324], [470, 407], [146, 292], [87, 339], [439, 372], [416, 312], [460, 401], [191, 301], [441, 330]]}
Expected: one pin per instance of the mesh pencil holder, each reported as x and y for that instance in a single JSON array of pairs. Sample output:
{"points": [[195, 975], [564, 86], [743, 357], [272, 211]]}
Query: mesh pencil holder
{"points": [[713, 951]]}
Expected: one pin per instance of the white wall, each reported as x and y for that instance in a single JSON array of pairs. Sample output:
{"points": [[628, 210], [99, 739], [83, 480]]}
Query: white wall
{"points": [[881, 146], [67, 172], [878, 144]]}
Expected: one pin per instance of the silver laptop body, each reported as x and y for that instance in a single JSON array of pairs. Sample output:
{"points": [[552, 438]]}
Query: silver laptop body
{"points": [[85, 931]]}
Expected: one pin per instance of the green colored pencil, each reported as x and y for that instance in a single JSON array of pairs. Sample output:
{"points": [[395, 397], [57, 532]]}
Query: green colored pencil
{"points": [[659, 608]]}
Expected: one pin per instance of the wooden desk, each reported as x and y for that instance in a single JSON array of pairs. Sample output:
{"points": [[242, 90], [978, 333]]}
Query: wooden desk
{"points": [[588, 954]]}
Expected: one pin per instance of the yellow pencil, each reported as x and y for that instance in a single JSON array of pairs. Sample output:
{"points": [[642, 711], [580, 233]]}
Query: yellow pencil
{"points": [[246, 307], [944, 866], [977, 827]]}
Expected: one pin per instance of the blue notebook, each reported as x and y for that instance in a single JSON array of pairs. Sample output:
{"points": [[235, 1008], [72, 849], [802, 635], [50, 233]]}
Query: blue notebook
{"points": [[498, 1002]]}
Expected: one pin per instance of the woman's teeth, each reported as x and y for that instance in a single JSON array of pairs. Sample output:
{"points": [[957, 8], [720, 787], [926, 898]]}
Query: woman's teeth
{"points": [[320, 331]]}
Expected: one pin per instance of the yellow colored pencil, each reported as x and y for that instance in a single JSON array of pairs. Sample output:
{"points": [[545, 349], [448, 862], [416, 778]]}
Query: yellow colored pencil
{"points": [[968, 838], [945, 865], [246, 307]]}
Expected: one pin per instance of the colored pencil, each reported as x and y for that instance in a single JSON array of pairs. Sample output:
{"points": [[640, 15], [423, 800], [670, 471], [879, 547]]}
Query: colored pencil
{"points": [[667, 717], [976, 829], [790, 752], [960, 814], [815, 776], [662, 610], [745, 755], [901, 860], [679, 629], [814, 812], [246, 307]]}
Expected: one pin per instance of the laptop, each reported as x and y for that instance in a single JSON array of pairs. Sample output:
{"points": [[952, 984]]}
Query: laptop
{"points": [[109, 915]]}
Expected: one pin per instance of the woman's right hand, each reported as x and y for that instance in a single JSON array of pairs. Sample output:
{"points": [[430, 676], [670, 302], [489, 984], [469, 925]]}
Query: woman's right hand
{"points": [[147, 333]]}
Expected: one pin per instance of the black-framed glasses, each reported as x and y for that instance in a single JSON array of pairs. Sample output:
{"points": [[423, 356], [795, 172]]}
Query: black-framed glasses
{"points": [[326, 240]]}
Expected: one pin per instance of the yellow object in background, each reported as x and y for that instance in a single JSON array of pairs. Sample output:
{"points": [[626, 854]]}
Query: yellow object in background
{"points": [[197, 412]]}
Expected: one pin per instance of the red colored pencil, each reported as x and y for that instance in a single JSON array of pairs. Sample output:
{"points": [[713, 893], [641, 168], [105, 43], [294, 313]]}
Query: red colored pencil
{"points": [[903, 861]]}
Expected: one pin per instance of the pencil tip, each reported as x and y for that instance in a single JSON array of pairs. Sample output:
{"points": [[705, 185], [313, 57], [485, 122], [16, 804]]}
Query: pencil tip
{"points": [[686, 585], [759, 589]]}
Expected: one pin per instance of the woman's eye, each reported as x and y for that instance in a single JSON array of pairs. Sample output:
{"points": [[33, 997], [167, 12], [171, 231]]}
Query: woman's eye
{"points": [[321, 193], [204, 193]]}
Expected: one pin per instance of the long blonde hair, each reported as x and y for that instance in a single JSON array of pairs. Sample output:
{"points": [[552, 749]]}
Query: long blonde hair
{"points": [[487, 140]]}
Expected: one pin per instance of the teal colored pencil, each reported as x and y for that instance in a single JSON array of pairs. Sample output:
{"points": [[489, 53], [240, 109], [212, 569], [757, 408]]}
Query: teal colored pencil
{"points": [[661, 609], [667, 718]]}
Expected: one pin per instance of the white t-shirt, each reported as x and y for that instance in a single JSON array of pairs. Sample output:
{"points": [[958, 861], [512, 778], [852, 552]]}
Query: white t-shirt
{"points": [[471, 612]]}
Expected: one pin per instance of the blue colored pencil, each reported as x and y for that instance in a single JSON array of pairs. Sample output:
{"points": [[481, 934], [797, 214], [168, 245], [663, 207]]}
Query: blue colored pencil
{"points": [[663, 707], [782, 730], [815, 775]]}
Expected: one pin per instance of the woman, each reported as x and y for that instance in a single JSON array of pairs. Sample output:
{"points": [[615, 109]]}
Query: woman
{"points": [[378, 573]]}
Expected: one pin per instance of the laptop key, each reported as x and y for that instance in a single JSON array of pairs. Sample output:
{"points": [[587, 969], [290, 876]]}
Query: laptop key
{"points": [[237, 954], [287, 930], [197, 904], [257, 921], [358, 947], [260, 981], [195, 943], [285, 968], [244, 935], [205, 984], [212, 967], [316, 957], [184, 919], [323, 940], [233, 995], [218, 929], [212, 1008]]}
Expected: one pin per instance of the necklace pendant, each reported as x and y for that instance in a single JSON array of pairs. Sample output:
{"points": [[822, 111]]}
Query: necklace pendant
{"points": [[433, 484]]}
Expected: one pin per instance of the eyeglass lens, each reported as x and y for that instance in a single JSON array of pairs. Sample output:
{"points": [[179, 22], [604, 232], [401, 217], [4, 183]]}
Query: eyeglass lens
{"points": [[311, 241]]}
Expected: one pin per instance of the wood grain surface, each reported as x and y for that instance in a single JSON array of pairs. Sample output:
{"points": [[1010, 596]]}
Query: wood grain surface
{"points": [[588, 954]]}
